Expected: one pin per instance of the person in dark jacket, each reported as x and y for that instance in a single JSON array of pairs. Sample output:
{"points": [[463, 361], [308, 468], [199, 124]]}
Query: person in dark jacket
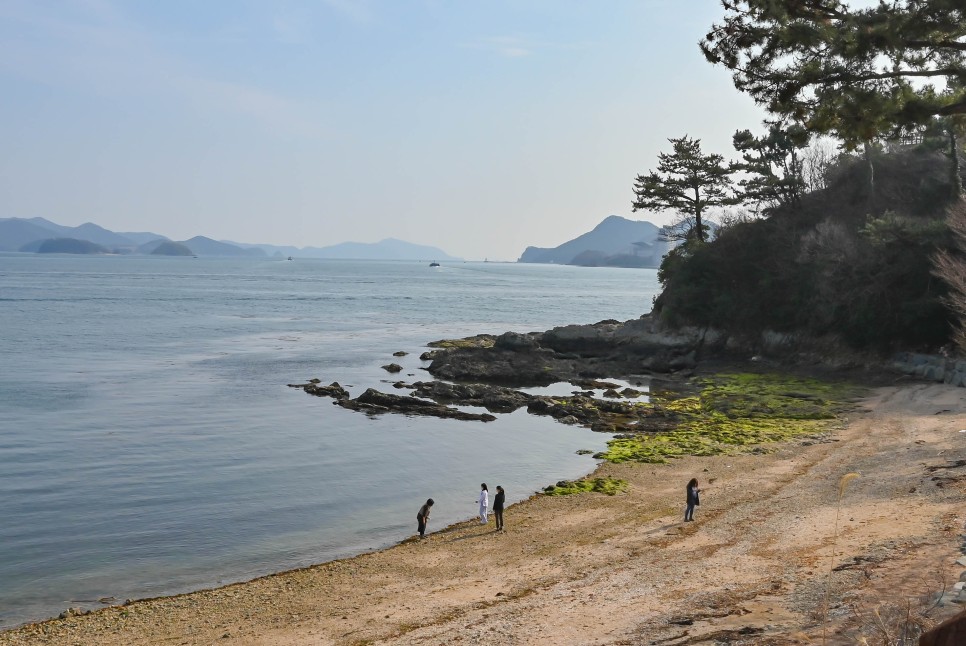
{"points": [[498, 501], [693, 499], [423, 517]]}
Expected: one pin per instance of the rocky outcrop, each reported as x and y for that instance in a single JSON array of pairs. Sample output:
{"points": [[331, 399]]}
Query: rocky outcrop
{"points": [[315, 387], [931, 367], [495, 399], [485, 371], [574, 352], [537, 367], [375, 402], [435, 399]]}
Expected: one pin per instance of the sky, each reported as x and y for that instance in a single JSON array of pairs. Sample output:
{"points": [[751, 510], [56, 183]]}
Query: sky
{"points": [[477, 127]]}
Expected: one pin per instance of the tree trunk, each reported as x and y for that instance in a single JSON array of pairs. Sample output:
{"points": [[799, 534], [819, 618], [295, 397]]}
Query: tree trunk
{"points": [[697, 214], [868, 161], [954, 177], [867, 147]]}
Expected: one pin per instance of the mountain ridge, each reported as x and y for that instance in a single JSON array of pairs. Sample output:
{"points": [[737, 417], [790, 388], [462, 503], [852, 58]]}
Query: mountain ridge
{"points": [[615, 242], [28, 235]]}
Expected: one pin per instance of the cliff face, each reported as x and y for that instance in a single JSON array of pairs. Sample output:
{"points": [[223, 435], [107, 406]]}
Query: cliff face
{"points": [[616, 242]]}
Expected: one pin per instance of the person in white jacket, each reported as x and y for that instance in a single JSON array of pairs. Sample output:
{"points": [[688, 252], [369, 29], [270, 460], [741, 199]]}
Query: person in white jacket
{"points": [[484, 503]]}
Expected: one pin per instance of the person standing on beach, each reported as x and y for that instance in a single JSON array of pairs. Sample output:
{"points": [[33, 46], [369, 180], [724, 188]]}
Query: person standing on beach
{"points": [[498, 501], [423, 517], [692, 498], [484, 503]]}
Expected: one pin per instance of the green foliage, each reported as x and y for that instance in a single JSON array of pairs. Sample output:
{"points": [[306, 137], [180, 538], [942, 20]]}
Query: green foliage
{"points": [[608, 486], [686, 181], [848, 72], [886, 294], [773, 165], [737, 410], [827, 265], [736, 282]]}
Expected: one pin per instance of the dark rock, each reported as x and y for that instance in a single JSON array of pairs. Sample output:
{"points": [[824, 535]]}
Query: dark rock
{"points": [[314, 387], [492, 365], [610, 392], [657, 362], [688, 360], [429, 355], [373, 401], [400, 353], [392, 367], [593, 384], [516, 342], [581, 354], [493, 398]]}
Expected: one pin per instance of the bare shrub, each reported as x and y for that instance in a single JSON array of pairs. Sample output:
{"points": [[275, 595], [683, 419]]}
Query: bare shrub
{"points": [[950, 266], [817, 161]]}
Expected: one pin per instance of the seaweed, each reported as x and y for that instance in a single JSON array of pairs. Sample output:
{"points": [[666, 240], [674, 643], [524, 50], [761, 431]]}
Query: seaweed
{"points": [[733, 410]]}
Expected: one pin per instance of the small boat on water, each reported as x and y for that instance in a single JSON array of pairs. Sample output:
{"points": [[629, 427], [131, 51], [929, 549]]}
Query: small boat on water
{"points": [[434, 264]]}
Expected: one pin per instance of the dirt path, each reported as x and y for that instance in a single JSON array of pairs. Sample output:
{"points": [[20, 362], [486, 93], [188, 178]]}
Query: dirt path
{"points": [[594, 569]]}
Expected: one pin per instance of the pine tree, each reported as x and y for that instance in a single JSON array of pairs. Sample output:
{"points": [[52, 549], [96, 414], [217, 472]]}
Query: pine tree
{"points": [[686, 181], [853, 73], [773, 164]]}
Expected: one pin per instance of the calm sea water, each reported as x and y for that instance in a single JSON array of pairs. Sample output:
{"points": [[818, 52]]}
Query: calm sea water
{"points": [[149, 444]]}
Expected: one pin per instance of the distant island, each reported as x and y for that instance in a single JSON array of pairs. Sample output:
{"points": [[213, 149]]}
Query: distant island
{"points": [[69, 245], [38, 235], [168, 248], [615, 242]]}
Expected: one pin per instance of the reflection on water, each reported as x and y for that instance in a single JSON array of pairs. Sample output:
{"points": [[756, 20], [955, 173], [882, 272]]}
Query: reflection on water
{"points": [[632, 389]]}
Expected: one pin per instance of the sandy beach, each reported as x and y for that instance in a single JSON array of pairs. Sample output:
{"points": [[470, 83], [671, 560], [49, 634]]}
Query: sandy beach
{"points": [[754, 568]]}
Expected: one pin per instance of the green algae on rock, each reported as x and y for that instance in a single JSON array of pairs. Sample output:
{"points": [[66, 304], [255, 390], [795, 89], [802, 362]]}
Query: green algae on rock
{"points": [[732, 410], [478, 341], [609, 486]]}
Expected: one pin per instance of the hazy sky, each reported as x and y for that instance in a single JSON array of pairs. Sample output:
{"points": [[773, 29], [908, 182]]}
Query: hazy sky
{"points": [[476, 127]]}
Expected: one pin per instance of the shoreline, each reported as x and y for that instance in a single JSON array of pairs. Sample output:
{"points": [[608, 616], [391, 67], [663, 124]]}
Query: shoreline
{"points": [[80, 611], [83, 608], [620, 569]]}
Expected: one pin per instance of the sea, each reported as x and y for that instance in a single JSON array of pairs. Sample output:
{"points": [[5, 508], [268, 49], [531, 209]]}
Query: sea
{"points": [[150, 444]]}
